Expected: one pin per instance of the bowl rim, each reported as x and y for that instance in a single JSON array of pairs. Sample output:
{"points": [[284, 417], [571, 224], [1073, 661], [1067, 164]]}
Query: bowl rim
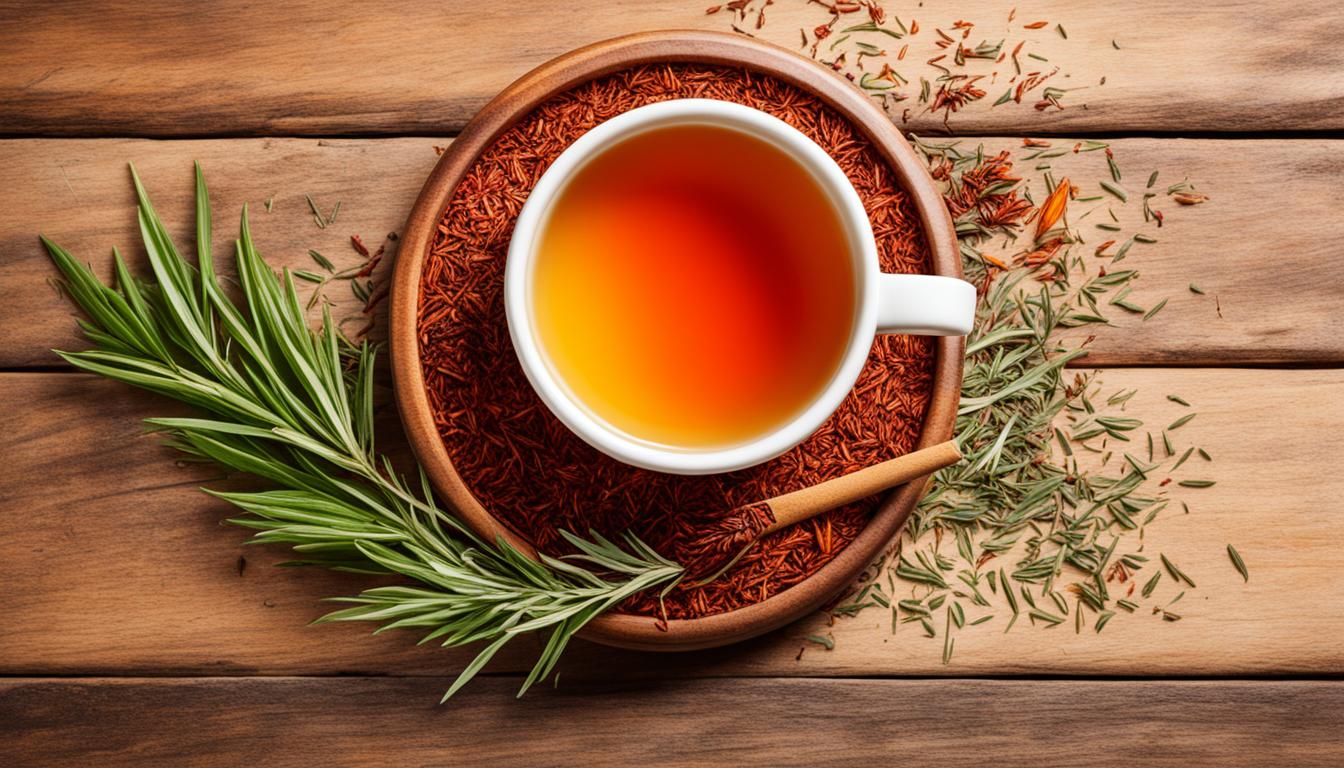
{"points": [[520, 98]]}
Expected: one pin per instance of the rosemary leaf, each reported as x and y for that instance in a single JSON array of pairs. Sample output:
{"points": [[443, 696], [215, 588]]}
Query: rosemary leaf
{"points": [[322, 261], [826, 641], [1156, 308], [1181, 460], [1151, 584], [1182, 421], [1115, 189], [1238, 563], [1175, 572], [1102, 619]]}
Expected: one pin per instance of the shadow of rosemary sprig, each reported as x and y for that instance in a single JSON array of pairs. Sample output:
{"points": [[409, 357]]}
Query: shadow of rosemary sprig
{"points": [[294, 406]]}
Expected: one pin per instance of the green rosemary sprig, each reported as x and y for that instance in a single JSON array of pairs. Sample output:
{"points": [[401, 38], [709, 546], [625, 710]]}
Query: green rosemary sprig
{"points": [[295, 407]]}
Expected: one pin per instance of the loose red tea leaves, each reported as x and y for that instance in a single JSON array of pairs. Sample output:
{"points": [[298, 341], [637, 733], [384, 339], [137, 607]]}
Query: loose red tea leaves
{"points": [[721, 539], [958, 67], [536, 476]]}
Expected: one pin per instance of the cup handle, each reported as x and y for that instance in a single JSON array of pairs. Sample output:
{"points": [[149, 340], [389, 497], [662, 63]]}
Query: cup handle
{"points": [[927, 305]]}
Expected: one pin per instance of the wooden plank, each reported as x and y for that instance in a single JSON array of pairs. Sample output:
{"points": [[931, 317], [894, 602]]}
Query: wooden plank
{"points": [[297, 721], [79, 193], [162, 558], [312, 68], [1277, 285], [115, 564]]}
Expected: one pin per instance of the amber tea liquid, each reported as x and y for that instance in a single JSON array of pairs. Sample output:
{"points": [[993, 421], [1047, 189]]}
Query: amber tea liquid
{"points": [[692, 287]]}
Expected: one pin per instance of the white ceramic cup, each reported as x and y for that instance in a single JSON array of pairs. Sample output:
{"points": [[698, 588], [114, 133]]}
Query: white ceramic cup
{"points": [[885, 303]]}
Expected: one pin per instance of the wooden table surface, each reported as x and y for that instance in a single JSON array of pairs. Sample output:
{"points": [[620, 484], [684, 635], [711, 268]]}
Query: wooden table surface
{"points": [[137, 629]]}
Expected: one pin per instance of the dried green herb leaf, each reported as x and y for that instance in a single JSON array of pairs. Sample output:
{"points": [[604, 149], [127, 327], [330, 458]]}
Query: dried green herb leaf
{"points": [[1182, 421], [1046, 616], [1175, 572], [1156, 308], [872, 27], [317, 213], [1151, 584], [321, 260], [1102, 619], [1181, 460], [1115, 189], [826, 641], [1238, 563]]}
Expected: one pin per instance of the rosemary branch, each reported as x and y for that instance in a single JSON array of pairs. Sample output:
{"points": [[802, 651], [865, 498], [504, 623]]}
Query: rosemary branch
{"points": [[295, 407]]}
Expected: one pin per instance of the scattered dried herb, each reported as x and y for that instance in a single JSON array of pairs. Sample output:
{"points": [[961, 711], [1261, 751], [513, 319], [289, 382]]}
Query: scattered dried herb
{"points": [[1065, 528], [1115, 189], [957, 65], [318, 218], [1182, 421], [1156, 308], [1238, 563], [1175, 572], [321, 260], [826, 641], [1151, 584]]}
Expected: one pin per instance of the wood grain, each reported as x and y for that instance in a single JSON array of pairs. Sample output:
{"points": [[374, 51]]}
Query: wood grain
{"points": [[1274, 270], [382, 722], [304, 67], [115, 564], [80, 194]]}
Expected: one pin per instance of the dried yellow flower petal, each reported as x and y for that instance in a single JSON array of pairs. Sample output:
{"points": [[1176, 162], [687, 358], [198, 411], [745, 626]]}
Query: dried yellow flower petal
{"points": [[1053, 208], [1189, 198]]}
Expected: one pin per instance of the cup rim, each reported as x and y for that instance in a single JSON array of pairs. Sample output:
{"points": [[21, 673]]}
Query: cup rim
{"points": [[531, 221]]}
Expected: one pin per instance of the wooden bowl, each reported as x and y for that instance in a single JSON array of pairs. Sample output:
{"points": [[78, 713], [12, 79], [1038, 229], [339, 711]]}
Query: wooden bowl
{"points": [[499, 115]]}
